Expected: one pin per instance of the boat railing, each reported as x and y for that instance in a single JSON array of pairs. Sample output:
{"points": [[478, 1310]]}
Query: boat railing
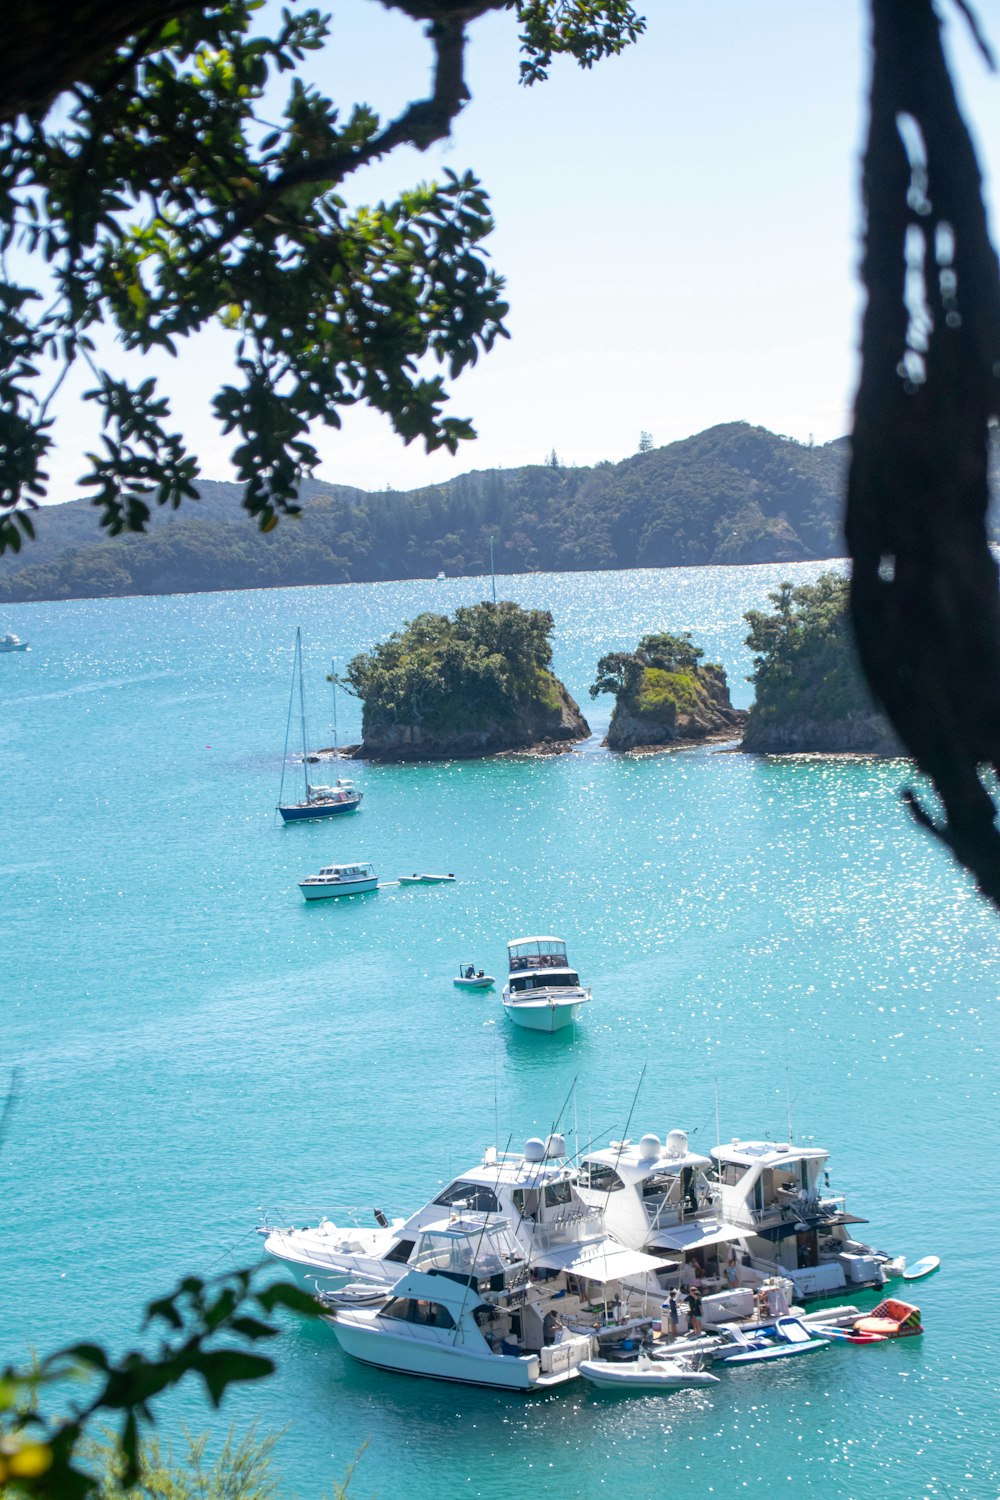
{"points": [[288, 1220], [568, 1229]]}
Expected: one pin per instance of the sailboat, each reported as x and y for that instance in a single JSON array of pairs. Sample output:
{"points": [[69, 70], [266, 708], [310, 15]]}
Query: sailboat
{"points": [[319, 801]]}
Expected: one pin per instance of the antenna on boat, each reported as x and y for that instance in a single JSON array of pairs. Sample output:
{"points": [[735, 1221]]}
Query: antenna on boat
{"points": [[788, 1108], [493, 575], [302, 708], [621, 1143], [479, 1242], [718, 1133], [496, 1106]]}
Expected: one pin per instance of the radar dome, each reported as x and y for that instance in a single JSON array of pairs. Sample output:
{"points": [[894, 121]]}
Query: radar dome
{"points": [[555, 1145], [650, 1146], [534, 1149], [677, 1143]]}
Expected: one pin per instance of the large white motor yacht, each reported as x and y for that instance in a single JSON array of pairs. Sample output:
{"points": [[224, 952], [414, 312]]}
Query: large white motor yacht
{"points": [[534, 1191], [658, 1197], [542, 992], [790, 1224], [472, 1307]]}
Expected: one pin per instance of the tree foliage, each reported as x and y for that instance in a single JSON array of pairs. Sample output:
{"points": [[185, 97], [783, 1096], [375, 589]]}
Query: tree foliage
{"points": [[438, 672], [211, 1330], [804, 657], [169, 190]]}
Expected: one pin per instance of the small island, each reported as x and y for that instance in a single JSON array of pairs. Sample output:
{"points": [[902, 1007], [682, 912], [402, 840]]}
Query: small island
{"points": [[475, 685], [810, 695], [665, 695]]}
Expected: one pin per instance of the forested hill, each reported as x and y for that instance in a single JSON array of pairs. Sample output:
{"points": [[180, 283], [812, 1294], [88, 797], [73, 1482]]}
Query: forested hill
{"points": [[733, 494]]}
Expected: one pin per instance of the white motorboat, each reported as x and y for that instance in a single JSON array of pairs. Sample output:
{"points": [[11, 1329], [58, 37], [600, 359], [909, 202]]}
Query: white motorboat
{"points": [[789, 1224], [339, 880], [645, 1374], [534, 1191], [12, 642], [542, 992], [472, 1308], [659, 1198], [425, 879], [471, 978]]}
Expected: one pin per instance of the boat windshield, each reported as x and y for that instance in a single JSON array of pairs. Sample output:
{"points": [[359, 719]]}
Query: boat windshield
{"points": [[474, 1195], [480, 1251], [552, 980], [537, 953]]}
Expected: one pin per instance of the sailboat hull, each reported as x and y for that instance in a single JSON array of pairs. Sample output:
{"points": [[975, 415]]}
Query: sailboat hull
{"points": [[297, 812]]}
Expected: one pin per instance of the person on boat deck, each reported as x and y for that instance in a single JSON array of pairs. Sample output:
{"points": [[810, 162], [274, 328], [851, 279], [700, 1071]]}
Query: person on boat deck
{"points": [[694, 1310], [551, 1327], [470, 972], [673, 1315], [732, 1275]]}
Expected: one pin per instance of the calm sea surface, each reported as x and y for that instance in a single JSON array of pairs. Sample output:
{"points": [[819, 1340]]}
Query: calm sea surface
{"points": [[197, 1045]]}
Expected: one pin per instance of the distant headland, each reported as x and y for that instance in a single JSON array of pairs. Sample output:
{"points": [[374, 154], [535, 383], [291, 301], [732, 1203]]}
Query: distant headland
{"points": [[732, 494]]}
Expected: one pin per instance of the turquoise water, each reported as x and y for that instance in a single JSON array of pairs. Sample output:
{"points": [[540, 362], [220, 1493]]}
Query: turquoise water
{"points": [[196, 1044]]}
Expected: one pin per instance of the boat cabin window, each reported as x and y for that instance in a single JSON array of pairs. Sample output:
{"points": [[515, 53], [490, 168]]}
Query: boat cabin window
{"points": [[552, 981], [731, 1172], [599, 1177], [401, 1251], [661, 1185], [473, 1195], [417, 1310], [556, 1193]]}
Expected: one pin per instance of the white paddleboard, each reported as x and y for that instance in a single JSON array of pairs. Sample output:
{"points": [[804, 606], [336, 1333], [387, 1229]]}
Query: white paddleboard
{"points": [[923, 1267]]}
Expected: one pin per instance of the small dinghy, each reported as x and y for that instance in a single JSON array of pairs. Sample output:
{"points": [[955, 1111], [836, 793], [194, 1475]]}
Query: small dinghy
{"points": [[425, 879], [925, 1267], [356, 1294], [644, 1374], [471, 978]]}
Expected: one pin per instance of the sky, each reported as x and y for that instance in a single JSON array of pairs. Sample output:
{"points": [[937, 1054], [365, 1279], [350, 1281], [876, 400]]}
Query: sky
{"points": [[678, 228]]}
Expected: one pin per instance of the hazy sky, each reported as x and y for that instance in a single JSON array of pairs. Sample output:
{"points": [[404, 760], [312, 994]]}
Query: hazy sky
{"points": [[678, 228]]}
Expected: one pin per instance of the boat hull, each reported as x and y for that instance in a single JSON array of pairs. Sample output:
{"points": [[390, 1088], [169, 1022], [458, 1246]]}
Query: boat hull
{"points": [[486, 983], [21, 646], [298, 812], [440, 1360], [611, 1376], [325, 891], [543, 1015]]}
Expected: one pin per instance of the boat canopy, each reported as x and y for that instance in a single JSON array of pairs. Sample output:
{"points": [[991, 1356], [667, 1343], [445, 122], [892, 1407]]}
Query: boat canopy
{"points": [[696, 1236], [537, 953], [598, 1260]]}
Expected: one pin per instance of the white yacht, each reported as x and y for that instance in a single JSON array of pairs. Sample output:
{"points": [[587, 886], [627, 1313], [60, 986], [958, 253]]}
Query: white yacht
{"points": [[466, 1309], [777, 1196], [534, 1191], [542, 992], [659, 1198], [339, 880]]}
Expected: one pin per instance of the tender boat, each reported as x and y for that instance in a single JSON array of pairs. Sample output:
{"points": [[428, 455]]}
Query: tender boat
{"points": [[644, 1374], [339, 880], [318, 801], [471, 978], [542, 992], [11, 642], [425, 879], [789, 1223]]}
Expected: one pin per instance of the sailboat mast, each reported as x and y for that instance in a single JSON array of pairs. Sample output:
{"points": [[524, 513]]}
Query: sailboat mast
{"points": [[333, 679], [302, 709], [288, 725]]}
